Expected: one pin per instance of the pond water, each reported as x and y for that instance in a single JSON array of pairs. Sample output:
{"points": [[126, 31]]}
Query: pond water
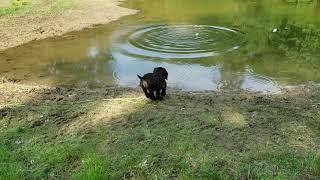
{"points": [[205, 45]]}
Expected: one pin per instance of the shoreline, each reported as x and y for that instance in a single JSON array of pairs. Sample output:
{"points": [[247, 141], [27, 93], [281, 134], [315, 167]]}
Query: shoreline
{"points": [[21, 28], [64, 114], [15, 92]]}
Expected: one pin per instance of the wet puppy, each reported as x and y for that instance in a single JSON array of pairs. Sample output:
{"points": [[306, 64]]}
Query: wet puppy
{"points": [[154, 84], [161, 72]]}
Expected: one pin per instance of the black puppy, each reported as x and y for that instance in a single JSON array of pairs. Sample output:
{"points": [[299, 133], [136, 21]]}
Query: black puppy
{"points": [[155, 82], [161, 71]]}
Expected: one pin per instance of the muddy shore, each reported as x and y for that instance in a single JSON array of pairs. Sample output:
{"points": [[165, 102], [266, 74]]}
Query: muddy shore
{"points": [[22, 27]]}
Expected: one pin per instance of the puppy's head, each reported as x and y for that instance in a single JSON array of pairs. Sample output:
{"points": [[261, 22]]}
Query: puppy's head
{"points": [[161, 71], [143, 82]]}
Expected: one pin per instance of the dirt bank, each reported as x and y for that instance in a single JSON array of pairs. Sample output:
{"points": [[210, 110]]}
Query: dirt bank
{"points": [[47, 20], [75, 132]]}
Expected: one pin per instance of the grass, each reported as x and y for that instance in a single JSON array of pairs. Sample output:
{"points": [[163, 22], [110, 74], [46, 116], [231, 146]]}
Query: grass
{"points": [[316, 169], [9, 167], [93, 168], [114, 133], [14, 7], [37, 6]]}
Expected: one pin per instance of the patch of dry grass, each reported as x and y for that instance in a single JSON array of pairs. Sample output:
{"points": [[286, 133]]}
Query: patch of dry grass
{"points": [[116, 133]]}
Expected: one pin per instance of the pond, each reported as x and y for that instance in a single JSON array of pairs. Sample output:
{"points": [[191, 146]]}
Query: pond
{"points": [[205, 45]]}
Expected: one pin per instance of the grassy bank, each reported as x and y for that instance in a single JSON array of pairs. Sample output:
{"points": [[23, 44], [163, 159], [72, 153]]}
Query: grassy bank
{"points": [[116, 133], [37, 7], [13, 7]]}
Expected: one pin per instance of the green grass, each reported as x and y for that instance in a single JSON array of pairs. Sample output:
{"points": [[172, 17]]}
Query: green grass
{"points": [[94, 167], [9, 167], [37, 6], [14, 7], [316, 168], [188, 136]]}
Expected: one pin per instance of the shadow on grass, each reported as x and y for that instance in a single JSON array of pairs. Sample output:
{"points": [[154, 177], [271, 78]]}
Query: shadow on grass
{"points": [[116, 133], [45, 131]]}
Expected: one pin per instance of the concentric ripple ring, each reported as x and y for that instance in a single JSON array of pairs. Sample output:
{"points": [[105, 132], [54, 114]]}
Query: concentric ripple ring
{"points": [[180, 41]]}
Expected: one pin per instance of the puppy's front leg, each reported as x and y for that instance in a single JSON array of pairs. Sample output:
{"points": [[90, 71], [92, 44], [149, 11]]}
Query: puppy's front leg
{"points": [[146, 92], [151, 95], [159, 97], [163, 92]]}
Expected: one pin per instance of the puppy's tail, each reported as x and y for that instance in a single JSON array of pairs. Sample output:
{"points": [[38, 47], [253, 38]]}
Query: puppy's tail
{"points": [[141, 78]]}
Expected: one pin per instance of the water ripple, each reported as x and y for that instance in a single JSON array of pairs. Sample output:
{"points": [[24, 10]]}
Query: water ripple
{"points": [[179, 41]]}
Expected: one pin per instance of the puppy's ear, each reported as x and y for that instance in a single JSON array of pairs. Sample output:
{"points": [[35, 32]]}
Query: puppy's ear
{"points": [[141, 78]]}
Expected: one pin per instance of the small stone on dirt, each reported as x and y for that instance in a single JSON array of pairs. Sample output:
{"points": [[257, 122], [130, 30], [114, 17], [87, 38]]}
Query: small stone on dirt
{"points": [[59, 98], [37, 123]]}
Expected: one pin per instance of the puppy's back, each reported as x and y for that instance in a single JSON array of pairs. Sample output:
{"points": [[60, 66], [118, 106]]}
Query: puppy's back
{"points": [[153, 81]]}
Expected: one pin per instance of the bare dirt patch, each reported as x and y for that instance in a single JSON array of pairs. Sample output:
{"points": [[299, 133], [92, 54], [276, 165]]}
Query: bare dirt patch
{"points": [[42, 23]]}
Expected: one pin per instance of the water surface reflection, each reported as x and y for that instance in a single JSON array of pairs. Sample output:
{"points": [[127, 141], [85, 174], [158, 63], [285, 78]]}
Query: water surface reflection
{"points": [[198, 42]]}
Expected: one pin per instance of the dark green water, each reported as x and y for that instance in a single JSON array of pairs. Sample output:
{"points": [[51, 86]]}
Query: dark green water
{"points": [[205, 45]]}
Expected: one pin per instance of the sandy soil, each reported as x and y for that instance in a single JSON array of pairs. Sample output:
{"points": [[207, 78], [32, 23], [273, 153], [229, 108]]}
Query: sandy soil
{"points": [[21, 28]]}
